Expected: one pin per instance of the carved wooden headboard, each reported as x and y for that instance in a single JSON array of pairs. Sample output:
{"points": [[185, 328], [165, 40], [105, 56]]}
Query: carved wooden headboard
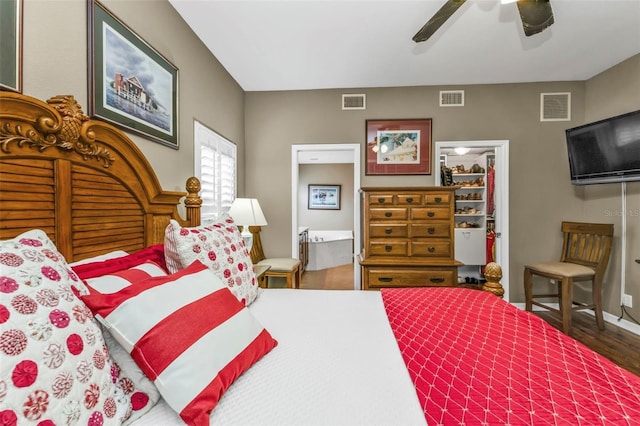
{"points": [[82, 181]]}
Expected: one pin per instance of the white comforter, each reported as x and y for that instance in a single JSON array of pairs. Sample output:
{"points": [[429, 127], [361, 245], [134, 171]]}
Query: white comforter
{"points": [[336, 363]]}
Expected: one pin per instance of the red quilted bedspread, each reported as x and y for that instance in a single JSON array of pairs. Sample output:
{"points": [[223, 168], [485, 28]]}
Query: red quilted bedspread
{"points": [[477, 360]]}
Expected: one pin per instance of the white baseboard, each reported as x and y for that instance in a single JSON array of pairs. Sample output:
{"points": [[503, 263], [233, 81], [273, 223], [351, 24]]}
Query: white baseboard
{"points": [[622, 323], [610, 318]]}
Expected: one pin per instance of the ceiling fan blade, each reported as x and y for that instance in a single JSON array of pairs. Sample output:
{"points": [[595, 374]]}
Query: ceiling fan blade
{"points": [[437, 20], [536, 15]]}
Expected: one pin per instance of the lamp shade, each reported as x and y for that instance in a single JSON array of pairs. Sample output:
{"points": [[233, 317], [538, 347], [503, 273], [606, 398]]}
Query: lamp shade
{"points": [[247, 212]]}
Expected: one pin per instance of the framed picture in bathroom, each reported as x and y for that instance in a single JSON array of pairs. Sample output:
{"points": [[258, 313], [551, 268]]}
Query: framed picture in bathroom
{"points": [[398, 147], [324, 197]]}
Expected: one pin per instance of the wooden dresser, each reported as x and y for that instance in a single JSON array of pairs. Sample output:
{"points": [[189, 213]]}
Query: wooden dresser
{"points": [[408, 237]]}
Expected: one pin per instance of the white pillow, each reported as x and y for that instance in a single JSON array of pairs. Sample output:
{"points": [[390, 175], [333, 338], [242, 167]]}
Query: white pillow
{"points": [[220, 247], [139, 392]]}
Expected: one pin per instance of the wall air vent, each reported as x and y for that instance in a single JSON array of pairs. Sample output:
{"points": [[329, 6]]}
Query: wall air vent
{"points": [[354, 101], [451, 98], [555, 106]]}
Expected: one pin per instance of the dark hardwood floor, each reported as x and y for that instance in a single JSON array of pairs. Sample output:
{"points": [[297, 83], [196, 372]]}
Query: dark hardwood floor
{"points": [[615, 343], [619, 345]]}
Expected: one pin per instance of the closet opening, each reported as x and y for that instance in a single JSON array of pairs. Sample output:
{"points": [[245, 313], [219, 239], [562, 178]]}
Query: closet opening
{"points": [[480, 170]]}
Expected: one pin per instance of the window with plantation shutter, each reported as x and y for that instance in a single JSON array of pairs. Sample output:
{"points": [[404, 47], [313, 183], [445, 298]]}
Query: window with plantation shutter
{"points": [[215, 166]]}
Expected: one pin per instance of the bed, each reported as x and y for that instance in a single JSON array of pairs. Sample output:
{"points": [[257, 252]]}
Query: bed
{"points": [[77, 194]]}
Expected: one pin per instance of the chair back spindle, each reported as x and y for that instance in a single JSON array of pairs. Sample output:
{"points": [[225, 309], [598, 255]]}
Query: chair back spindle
{"points": [[587, 244]]}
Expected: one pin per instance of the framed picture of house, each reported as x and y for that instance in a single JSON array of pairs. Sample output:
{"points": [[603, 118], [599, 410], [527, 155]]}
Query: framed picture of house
{"points": [[11, 45], [324, 197], [398, 147], [130, 84]]}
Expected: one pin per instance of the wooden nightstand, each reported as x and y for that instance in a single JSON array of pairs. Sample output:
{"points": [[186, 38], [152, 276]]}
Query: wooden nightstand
{"points": [[259, 271]]}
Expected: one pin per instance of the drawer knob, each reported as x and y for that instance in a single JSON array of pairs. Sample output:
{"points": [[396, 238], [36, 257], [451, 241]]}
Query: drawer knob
{"points": [[385, 279], [437, 280], [431, 249], [438, 199], [388, 248], [410, 200], [387, 214], [431, 230], [388, 231], [381, 200], [431, 214]]}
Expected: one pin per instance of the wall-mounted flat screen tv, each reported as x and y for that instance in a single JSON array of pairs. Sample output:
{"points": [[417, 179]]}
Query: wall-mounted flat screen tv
{"points": [[605, 151]]}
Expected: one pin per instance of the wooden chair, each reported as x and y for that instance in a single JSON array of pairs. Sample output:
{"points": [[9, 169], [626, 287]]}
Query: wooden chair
{"points": [[585, 256], [289, 268]]}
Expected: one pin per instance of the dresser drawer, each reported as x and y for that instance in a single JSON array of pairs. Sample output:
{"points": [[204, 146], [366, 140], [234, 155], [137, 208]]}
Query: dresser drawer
{"points": [[398, 230], [381, 247], [431, 229], [427, 213], [390, 213], [431, 248], [376, 278], [380, 199], [410, 199], [437, 198]]}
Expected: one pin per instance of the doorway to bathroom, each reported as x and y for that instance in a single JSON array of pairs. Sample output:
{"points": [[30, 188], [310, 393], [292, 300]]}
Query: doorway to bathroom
{"points": [[331, 170]]}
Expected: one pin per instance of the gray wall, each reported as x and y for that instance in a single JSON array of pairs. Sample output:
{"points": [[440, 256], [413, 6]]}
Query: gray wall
{"points": [[538, 159], [55, 63], [541, 195], [615, 92]]}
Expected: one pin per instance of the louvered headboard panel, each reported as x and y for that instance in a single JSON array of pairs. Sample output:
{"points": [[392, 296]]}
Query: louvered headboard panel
{"points": [[82, 181], [27, 197], [104, 213]]}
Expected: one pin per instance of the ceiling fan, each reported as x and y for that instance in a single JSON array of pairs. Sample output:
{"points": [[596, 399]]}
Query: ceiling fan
{"points": [[536, 15]]}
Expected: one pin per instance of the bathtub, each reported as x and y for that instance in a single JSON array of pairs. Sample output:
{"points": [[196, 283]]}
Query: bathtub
{"points": [[328, 249]]}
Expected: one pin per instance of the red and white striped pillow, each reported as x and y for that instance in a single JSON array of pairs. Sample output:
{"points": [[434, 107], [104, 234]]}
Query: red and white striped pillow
{"points": [[146, 393], [116, 281], [188, 333]]}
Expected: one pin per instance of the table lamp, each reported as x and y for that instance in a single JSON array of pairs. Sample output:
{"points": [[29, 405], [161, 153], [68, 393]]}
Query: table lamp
{"points": [[246, 212]]}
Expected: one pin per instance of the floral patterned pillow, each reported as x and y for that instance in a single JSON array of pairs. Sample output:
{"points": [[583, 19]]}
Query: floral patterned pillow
{"points": [[55, 366], [220, 247]]}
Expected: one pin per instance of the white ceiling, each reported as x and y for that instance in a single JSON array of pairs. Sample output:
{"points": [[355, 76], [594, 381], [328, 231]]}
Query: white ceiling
{"points": [[317, 44]]}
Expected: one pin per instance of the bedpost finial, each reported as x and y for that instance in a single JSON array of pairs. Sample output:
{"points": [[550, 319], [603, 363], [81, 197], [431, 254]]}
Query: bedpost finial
{"points": [[193, 187], [193, 201], [493, 274]]}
